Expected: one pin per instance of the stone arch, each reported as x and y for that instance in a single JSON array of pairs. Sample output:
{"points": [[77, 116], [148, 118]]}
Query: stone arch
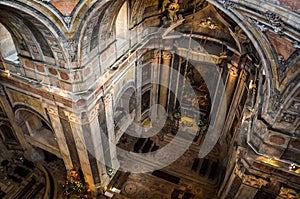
{"points": [[125, 104], [37, 131], [127, 86], [267, 60], [35, 34]]}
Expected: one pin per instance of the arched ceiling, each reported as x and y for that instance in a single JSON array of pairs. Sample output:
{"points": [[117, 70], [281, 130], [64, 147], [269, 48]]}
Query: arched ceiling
{"points": [[63, 33]]}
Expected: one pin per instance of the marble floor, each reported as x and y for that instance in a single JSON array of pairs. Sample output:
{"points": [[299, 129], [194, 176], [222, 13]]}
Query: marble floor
{"points": [[191, 184]]}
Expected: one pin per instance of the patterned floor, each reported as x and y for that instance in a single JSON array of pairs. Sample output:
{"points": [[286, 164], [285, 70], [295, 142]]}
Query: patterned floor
{"points": [[146, 185]]}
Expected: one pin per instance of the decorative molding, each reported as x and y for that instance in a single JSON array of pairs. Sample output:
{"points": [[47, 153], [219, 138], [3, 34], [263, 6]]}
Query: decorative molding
{"points": [[208, 23], [289, 118], [282, 67], [262, 27], [67, 20], [275, 21], [71, 47], [229, 5]]}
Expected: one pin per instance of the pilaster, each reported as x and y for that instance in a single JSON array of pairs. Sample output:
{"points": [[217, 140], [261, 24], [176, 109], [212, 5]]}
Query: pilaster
{"points": [[155, 79], [60, 138], [76, 126], [111, 132], [164, 81]]}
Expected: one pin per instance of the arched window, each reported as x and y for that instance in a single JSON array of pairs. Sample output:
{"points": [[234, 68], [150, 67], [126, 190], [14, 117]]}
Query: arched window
{"points": [[122, 24], [7, 46]]}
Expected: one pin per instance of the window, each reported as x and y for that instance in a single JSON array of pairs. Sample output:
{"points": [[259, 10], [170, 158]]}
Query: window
{"points": [[122, 23], [7, 46]]}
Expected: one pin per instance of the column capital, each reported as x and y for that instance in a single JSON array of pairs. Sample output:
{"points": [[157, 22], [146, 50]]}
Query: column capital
{"points": [[249, 180], [92, 114], [253, 181], [52, 110], [157, 54], [75, 118], [288, 193], [166, 55], [107, 98], [233, 70]]}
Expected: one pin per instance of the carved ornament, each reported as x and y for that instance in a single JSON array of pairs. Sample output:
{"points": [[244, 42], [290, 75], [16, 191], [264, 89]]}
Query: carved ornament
{"points": [[52, 111], [166, 55], [287, 193], [275, 22], [254, 182], [73, 117]]}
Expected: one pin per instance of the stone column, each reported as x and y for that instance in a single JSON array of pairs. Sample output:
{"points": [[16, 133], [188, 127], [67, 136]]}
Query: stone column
{"points": [[77, 131], [164, 80], [60, 138], [96, 140], [231, 83], [139, 85], [111, 132], [155, 78]]}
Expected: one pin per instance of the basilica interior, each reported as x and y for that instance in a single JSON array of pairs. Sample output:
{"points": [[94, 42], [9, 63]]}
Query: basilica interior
{"points": [[157, 99]]}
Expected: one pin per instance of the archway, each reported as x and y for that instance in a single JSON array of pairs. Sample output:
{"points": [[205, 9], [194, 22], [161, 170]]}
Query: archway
{"points": [[124, 111], [37, 131]]}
